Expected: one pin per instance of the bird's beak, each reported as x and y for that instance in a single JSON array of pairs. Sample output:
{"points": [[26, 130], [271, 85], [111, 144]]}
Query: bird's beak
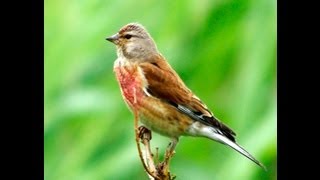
{"points": [[113, 38]]}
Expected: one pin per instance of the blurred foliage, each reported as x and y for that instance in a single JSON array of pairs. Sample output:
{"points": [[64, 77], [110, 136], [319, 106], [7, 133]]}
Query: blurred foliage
{"points": [[224, 50]]}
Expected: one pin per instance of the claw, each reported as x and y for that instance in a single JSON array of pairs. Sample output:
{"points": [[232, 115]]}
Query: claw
{"points": [[144, 133]]}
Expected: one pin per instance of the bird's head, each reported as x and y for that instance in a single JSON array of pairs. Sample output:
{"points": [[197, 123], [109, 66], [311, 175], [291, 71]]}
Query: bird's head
{"points": [[133, 42]]}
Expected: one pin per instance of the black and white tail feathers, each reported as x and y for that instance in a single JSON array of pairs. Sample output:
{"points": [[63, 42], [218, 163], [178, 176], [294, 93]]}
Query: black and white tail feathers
{"points": [[212, 128], [223, 139], [199, 129]]}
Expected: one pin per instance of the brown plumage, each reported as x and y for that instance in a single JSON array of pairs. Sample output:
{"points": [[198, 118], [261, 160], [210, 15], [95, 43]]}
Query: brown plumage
{"points": [[165, 104], [165, 84]]}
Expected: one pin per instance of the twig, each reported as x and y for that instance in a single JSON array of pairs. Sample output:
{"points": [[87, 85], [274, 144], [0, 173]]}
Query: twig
{"points": [[139, 148], [160, 170], [145, 135]]}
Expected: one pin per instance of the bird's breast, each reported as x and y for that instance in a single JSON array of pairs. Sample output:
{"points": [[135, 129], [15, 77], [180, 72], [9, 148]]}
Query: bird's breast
{"points": [[131, 83], [154, 113]]}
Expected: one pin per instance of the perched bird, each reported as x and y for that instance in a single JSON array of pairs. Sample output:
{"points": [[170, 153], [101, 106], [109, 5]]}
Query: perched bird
{"points": [[164, 103]]}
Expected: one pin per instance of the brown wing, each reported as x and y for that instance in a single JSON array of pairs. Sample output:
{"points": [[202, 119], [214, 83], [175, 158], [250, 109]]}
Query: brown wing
{"points": [[165, 84]]}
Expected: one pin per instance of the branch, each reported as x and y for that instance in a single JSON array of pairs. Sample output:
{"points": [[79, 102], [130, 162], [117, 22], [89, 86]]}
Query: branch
{"points": [[151, 175], [159, 171]]}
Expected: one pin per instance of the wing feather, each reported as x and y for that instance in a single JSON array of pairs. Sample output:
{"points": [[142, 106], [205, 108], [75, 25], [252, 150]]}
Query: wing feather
{"points": [[165, 84]]}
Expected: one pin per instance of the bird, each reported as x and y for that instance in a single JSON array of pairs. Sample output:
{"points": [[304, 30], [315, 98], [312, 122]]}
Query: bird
{"points": [[165, 105]]}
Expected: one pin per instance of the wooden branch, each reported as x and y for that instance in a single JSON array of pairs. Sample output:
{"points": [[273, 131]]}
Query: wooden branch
{"points": [[159, 171], [137, 135], [145, 136]]}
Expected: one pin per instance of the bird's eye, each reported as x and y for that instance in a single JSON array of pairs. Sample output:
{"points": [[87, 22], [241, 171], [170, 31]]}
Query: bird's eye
{"points": [[127, 36]]}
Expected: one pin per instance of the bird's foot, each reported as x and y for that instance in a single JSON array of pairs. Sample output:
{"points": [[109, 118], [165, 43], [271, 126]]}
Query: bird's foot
{"points": [[144, 133]]}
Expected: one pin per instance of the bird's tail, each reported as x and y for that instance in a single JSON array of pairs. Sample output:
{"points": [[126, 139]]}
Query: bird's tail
{"points": [[224, 140]]}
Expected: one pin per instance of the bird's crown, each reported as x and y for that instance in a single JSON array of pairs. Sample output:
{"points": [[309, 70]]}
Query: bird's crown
{"points": [[132, 27]]}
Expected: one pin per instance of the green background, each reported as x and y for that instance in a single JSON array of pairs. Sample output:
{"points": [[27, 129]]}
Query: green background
{"points": [[224, 50]]}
